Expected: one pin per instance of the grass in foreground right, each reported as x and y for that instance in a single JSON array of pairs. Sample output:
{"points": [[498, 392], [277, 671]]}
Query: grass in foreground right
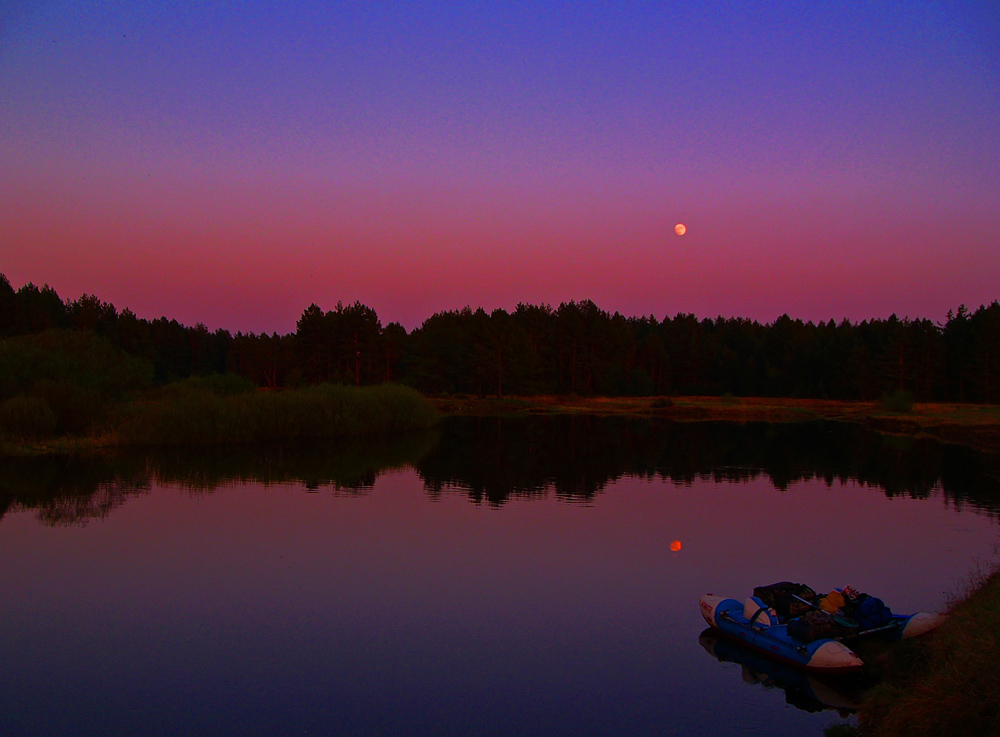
{"points": [[944, 683]]}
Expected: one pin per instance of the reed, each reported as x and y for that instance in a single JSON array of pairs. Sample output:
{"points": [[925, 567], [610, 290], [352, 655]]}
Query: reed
{"points": [[26, 418], [194, 414]]}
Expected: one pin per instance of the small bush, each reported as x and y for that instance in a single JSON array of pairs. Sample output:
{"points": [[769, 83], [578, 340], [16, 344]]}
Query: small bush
{"points": [[662, 403], [27, 418], [899, 401]]}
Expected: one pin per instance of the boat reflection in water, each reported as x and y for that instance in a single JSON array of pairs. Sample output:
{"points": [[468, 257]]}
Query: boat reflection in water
{"points": [[803, 691]]}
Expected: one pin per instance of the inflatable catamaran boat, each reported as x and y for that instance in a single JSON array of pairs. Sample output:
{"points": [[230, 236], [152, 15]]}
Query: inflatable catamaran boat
{"points": [[805, 635]]}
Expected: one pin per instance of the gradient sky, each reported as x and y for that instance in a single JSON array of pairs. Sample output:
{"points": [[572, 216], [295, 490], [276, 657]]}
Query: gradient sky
{"points": [[231, 162]]}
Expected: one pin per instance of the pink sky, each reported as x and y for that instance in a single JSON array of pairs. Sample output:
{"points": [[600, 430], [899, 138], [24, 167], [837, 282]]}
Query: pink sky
{"points": [[231, 167]]}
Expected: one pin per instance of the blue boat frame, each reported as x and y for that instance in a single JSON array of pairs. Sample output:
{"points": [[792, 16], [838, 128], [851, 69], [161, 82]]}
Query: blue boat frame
{"points": [[764, 634]]}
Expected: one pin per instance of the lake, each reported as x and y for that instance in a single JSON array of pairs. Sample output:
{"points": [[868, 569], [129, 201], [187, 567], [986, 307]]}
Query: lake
{"points": [[500, 576]]}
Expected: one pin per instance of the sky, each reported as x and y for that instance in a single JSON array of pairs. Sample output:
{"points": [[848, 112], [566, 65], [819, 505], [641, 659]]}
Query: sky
{"points": [[232, 162]]}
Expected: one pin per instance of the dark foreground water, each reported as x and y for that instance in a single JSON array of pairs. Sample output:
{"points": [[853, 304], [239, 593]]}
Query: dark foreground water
{"points": [[496, 578]]}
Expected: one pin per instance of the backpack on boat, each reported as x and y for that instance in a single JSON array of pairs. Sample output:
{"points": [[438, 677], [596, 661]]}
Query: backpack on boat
{"points": [[784, 597], [870, 612]]}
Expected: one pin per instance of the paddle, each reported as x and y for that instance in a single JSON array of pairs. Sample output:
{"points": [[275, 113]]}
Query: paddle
{"points": [[842, 621]]}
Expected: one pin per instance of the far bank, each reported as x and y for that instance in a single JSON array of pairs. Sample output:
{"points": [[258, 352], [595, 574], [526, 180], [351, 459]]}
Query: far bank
{"points": [[975, 425]]}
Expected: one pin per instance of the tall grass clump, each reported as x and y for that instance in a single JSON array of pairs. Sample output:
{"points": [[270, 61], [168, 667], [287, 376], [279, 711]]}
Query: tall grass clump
{"points": [[194, 413], [945, 682], [26, 418]]}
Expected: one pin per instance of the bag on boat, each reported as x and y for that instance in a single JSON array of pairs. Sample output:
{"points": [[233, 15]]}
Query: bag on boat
{"points": [[832, 602], [782, 598], [871, 612]]}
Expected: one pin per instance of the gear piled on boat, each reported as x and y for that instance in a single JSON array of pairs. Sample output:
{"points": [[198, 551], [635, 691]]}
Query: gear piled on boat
{"points": [[840, 614], [814, 638], [787, 599]]}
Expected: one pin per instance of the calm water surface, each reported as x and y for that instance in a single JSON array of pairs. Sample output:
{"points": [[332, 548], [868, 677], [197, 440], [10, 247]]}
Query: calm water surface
{"points": [[499, 578]]}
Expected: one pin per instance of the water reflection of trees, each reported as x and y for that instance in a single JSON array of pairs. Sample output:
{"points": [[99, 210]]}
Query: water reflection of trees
{"points": [[492, 460], [69, 490], [495, 459], [76, 489], [345, 465]]}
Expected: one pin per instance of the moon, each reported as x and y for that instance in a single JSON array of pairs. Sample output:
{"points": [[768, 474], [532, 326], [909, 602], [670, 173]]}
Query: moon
{"points": [[675, 545], [680, 229]]}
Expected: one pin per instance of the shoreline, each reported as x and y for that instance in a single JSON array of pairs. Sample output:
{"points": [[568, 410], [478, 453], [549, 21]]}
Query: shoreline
{"points": [[941, 683], [974, 425]]}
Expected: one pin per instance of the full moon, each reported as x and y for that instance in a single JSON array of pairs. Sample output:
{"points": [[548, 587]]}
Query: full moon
{"points": [[680, 229], [676, 544]]}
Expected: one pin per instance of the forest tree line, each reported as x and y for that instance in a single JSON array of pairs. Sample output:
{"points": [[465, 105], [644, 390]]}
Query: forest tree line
{"points": [[575, 348]]}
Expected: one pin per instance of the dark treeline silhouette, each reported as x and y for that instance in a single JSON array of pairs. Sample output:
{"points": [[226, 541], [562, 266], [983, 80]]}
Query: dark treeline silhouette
{"points": [[493, 460], [576, 348]]}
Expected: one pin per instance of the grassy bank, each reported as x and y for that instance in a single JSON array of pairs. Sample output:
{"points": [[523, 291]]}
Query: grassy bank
{"points": [[969, 424], [194, 417], [224, 412], [67, 391], [944, 683]]}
